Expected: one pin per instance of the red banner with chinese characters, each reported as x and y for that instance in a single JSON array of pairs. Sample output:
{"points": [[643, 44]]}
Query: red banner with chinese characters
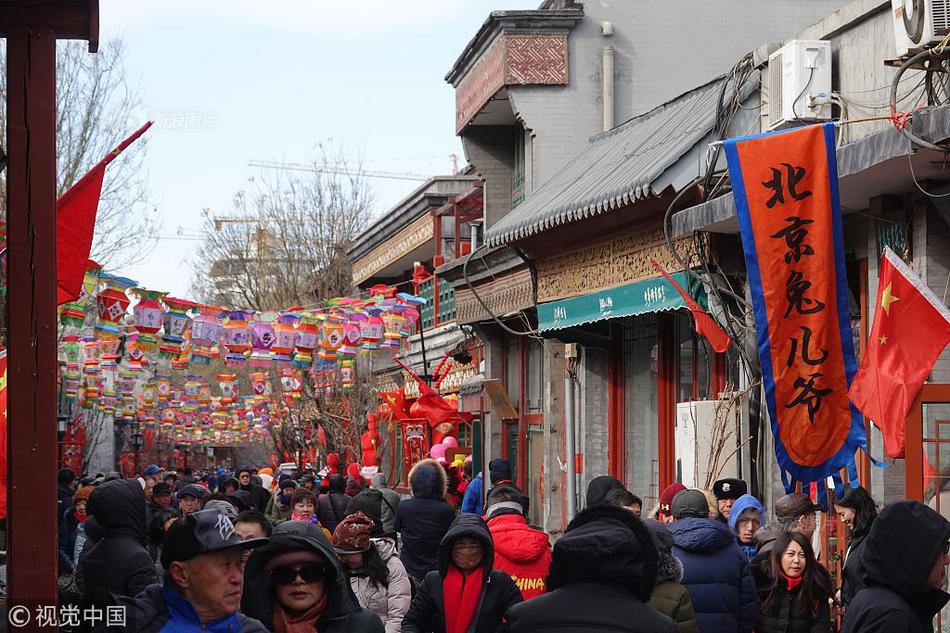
{"points": [[415, 442], [785, 186]]}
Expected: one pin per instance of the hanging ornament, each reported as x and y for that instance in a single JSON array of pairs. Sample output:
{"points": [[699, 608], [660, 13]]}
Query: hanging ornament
{"points": [[111, 304], [263, 338], [331, 339], [237, 337], [392, 323], [352, 338], [73, 314], [285, 332], [228, 384], [307, 338], [205, 332], [163, 387], [72, 376], [259, 384], [147, 316], [372, 330], [175, 323], [133, 350], [290, 386]]}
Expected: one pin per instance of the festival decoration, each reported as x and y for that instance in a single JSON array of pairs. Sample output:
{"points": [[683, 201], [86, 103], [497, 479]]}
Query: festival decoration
{"points": [[237, 337], [205, 331], [175, 323], [372, 329], [228, 384], [285, 332], [147, 317], [263, 338], [306, 342], [785, 186], [111, 304]]}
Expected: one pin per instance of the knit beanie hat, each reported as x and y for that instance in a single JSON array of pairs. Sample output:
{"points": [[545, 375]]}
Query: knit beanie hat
{"points": [[83, 493], [352, 534]]}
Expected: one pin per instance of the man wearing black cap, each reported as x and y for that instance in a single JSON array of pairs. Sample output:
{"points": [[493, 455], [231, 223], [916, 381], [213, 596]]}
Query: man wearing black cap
{"points": [[204, 580], [726, 492], [189, 499]]}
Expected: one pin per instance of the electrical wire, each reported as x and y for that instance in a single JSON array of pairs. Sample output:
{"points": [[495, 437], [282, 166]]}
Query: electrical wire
{"points": [[922, 190], [481, 302], [901, 119], [811, 76]]}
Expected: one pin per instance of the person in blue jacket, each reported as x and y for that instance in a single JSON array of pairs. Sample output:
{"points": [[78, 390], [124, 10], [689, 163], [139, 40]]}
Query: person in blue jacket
{"points": [[747, 516], [472, 501], [716, 572]]}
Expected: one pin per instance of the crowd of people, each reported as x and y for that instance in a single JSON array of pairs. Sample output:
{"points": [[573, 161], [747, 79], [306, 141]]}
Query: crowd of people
{"points": [[297, 552]]}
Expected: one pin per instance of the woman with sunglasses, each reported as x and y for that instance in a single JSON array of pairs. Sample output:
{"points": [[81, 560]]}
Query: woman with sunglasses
{"points": [[797, 601], [296, 584], [465, 595]]}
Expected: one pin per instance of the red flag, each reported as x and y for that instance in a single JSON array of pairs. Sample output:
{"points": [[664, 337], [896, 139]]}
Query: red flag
{"points": [[911, 328], [706, 326], [434, 407], [76, 223]]}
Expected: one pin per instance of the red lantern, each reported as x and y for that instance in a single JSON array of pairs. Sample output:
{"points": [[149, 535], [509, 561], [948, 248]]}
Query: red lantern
{"points": [[111, 304], [237, 337]]}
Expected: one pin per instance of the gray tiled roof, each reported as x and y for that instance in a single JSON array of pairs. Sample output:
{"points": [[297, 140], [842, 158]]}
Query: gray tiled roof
{"points": [[619, 166]]}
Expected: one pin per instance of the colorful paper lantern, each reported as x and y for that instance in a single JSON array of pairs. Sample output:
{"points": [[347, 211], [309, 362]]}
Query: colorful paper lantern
{"points": [[306, 342], [111, 304], [175, 324], [263, 338], [228, 384], [205, 332], [147, 317], [392, 324], [236, 337], [372, 329]]}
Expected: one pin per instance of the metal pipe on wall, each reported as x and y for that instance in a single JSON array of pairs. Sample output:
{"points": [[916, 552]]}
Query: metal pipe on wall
{"points": [[608, 78], [569, 444]]}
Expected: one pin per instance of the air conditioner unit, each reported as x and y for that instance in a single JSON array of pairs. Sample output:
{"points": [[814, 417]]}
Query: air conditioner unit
{"points": [[798, 72], [919, 24], [695, 434]]}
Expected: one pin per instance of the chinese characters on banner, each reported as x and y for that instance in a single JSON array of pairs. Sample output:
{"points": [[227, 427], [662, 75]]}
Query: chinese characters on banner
{"points": [[786, 192]]}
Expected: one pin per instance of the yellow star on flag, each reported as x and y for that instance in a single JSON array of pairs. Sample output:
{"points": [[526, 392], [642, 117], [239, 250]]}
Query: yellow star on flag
{"points": [[883, 340], [887, 299]]}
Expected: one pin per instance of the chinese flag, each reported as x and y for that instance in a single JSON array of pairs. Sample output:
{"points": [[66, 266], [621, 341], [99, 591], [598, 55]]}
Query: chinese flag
{"points": [[76, 222], [911, 328], [706, 326]]}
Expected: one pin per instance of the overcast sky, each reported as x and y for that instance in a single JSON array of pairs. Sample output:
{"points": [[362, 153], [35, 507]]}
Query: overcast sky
{"points": [[230, 81]]}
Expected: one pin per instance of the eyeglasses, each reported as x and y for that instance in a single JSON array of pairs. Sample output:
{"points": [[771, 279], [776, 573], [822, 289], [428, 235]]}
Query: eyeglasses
{"points": [[312, 572]]}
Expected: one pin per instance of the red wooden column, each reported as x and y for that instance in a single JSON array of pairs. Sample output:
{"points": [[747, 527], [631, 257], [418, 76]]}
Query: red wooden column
{"points": [[31, 318], [616, 435], [666, 399]]}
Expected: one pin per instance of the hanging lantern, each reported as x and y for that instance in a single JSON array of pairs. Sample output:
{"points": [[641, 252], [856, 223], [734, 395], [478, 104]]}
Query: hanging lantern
{"points": [[285, 332], [133, 350], [352, 338], [263, 338], [111, 304], [237, 337], [205, 332], [147, 317], [347, 373], [192, 388], [259, 384], [331, 339], [372, 330], [290, 386], [175, 323], [392, 323], [72, 315], [307, 338], [228, 384], [72, 376], [163, 387]]}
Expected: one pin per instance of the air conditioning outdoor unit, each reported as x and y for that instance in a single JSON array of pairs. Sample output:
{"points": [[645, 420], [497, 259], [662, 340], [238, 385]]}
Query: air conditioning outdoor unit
{"points": [[696, 438], [919, 24], [799, 71]]}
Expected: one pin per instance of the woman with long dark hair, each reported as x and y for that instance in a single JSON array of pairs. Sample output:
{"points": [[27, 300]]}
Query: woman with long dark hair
{"points": [[797, 601], [857, 512], [377, 577]]}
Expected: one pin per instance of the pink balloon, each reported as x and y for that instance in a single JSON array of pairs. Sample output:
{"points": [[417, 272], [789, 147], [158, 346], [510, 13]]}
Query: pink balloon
{"points": [[437, 451], [450, 441]]}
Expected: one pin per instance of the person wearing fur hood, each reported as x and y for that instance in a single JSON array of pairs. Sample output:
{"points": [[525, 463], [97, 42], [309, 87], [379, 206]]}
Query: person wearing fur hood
{"points": [[669, 597], [423, 520]]}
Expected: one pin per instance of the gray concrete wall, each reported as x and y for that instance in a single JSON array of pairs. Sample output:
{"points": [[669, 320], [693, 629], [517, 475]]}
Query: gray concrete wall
{"points": [[491, 150], [593, 434], [661, 49]]}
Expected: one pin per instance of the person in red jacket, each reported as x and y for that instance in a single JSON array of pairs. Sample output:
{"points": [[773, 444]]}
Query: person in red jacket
{"points": [[520, 550]]}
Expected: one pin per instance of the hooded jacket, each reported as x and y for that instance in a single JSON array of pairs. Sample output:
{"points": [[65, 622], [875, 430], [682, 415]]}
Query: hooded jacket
{"points": [[391, 602], [669, 596], [369, 502], [499, 592], [158, 609], [899, 553], [602, 572], [472, 499], [743, 503], [119, 563], [522, 551], [717, 575], [391, 500], [424, 519], [598, 488], [343, 613], [331, 507]]}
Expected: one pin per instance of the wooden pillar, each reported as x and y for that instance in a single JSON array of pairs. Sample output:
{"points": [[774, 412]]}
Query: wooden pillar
{"points": [[666, 398], [31, 319], [616, 434]]}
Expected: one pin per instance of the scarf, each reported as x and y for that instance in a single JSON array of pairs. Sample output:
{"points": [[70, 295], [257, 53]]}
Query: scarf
{"points": [[306, 622], [793, 582], [460, 597], [299, 517]]}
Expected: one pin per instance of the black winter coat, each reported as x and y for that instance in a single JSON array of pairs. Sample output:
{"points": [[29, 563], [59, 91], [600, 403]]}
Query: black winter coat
{"points": [[602, 573], [259, 496], [343, 613], [423, 520], [899, 553], [852, 575], [119, 563], [778, 618], [499, 592], [331, 509]]}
